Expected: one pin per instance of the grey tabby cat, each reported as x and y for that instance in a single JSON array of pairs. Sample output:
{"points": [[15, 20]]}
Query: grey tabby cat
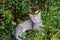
{"points": [[34, 23]]}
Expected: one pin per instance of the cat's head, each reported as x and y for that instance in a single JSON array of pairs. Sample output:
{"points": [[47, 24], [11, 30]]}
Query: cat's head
{"points": [[36, 18]]}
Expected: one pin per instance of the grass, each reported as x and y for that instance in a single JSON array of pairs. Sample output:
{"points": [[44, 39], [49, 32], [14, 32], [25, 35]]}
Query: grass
{"points": [[50, 17]]}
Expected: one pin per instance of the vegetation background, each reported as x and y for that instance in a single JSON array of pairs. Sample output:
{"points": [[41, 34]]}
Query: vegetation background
{"points": [[13, 12]]}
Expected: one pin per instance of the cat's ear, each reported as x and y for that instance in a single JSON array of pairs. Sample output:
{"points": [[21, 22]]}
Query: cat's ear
{"points": [[30, 15], [39, 13]]}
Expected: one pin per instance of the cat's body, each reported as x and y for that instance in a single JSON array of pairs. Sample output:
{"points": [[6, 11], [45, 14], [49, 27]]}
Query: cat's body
{"points": [[26, 25], [34, 23]]}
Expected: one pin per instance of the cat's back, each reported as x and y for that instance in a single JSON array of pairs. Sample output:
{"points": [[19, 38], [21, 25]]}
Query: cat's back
{"points": [[25, 24]]}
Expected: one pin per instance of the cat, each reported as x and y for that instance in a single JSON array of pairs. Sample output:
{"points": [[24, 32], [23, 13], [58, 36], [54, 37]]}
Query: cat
{"points": [[34, 23]]}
